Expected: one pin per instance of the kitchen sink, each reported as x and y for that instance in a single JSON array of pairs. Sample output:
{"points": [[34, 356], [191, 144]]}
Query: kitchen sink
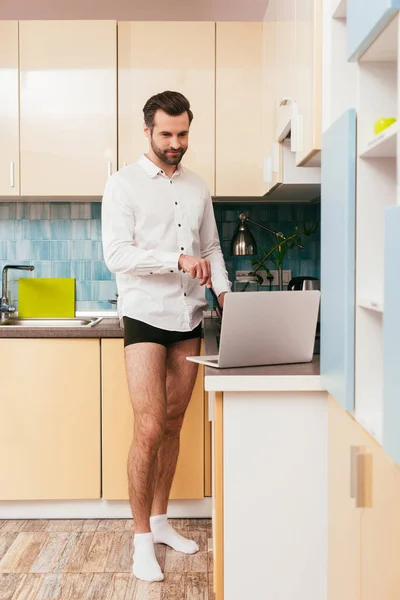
{"points": [[51, 322]]}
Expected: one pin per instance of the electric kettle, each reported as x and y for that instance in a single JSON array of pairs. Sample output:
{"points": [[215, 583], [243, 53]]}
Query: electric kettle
{"points": [[304, 283]]}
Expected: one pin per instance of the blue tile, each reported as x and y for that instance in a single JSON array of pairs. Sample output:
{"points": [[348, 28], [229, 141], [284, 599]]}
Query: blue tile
{"points": [[39, 230], [23, 250], [60, 250], [40, 250], [81, 249], [43, 269], [83, 290], [97, 250], [39, 211], [102, 291], [23, 230], [11, 250], [100, 271], [7, 211], [61, 268], [80, 229], [22, 210], [95, 233], [81, 270], [102, 306], [96, 210], [59, 210], [81, 210], [60, 230], [3, 250], [228, 231], [83, 305]]}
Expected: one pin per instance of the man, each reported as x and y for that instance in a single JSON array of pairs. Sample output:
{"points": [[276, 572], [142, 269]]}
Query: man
{"points": [[160, 238]]}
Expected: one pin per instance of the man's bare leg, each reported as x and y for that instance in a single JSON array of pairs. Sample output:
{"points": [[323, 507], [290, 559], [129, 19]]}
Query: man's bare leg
{"points": [[146, 374], [181, 377]]}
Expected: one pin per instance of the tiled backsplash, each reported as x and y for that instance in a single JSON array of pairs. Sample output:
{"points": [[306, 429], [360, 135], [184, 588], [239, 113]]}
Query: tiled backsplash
{"points": [[64, 240]]}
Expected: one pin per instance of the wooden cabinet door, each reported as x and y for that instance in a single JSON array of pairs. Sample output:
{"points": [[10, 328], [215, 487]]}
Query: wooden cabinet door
{"points": [[380, 526], [269, 79], [286, 62], [308, 79], [9, 107], [344, 519], [50, 419], [117, 428], [239, 138], [68, 99], [157, 56]]}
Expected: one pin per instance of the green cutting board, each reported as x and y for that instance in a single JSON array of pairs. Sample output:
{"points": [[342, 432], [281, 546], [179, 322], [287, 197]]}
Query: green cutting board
{"points": [[46, 297]]}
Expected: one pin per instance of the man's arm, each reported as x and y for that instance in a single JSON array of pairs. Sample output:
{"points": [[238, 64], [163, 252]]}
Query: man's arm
{"points": [[211, 250], [118, 225]]}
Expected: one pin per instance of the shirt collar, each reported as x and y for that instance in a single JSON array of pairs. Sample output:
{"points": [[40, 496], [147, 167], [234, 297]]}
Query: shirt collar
{"points": [[152, 170]]}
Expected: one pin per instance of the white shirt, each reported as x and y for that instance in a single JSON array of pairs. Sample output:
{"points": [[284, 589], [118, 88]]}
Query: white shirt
{"points": [[148, 221]]}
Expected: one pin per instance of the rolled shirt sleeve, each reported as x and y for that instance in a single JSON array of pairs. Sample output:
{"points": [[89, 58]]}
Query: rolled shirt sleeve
{"points": [[211, 249], [118, 225]]}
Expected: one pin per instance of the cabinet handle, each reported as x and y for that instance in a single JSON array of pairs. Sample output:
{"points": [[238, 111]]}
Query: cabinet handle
{"points": [[12, 173], [125, 164], [354, 451], [211, 406], [364, 481], [109, 168]]}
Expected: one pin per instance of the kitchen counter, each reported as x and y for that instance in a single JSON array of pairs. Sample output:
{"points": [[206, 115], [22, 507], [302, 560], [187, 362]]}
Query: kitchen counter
{"points": [[107, 328], [292, 377]]}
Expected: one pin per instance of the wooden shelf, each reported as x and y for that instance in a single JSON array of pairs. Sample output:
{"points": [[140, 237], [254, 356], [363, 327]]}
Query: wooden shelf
{"points": [[340, 11], [371, 305], [384, 145], [384, 49]]}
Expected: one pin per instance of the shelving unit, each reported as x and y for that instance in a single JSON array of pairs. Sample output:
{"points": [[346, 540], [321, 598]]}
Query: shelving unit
{"points": [[376, 191]]}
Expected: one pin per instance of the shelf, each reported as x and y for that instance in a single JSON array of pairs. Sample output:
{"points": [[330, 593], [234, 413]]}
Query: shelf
{"points": [[340, 11], [384, 49], [371, 305], [384, 145]]}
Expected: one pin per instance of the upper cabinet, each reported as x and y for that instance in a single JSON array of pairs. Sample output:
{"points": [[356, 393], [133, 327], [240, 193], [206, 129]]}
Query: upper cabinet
{"points": [[68, 107], [308, 76], [9, 147], [365, 21], [239, 143], [148, 63]]}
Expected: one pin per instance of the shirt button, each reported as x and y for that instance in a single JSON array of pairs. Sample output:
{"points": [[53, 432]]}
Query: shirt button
{"points": [[182, 248], [151, 272], [171, 271], [170, 180], [179, 225], [184, 293], [176, 203]]}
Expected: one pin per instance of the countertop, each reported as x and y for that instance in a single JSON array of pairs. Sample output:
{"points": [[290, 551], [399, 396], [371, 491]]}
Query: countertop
{"points": [[107, 328], [293, 377]]}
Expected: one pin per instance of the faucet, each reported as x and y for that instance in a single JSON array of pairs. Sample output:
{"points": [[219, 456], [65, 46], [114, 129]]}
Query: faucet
{"points": [[5, 308]]}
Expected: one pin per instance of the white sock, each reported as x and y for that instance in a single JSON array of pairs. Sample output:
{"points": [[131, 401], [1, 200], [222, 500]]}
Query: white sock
{"points": [[145, 565], [164, 533]]}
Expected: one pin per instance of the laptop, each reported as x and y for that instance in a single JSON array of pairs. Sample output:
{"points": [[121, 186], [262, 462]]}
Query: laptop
{"points": [[266, 328]]}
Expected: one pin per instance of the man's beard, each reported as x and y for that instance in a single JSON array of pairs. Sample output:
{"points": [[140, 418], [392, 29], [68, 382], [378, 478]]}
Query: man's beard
{"points": [[169, 159]]}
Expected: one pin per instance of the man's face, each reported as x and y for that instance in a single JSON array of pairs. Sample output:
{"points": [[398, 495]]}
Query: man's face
{"points": [[170, 136]]}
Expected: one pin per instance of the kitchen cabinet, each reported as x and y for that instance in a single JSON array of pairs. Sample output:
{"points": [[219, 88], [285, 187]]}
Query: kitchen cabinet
{"points": [[117, 431], [345, 436], [365, 21], [9, 108], [283, 180], [239, 144], [158, 56], [338, 209], [380, 526], [364, 513], [50, 419], [68, 107], [308, 74], [391, 335]]}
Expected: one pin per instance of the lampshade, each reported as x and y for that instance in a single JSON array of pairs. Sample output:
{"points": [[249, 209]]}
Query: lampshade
{"points": [[243, 243]]}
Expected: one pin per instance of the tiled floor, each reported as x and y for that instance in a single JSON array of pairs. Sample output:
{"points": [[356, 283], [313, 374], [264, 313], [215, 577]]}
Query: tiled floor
{"points": [[85, 559]]}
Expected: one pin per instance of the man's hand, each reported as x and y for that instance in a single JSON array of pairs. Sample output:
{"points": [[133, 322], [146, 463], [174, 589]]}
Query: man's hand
{"points": [[197, 268], [221, 299]]}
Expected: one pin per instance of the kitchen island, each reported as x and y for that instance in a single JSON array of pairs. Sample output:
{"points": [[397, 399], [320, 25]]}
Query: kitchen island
{"points": [[270, 463]]}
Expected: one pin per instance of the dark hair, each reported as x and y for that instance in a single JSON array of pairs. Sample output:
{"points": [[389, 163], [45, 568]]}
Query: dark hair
{"points": [[173, 103]]}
